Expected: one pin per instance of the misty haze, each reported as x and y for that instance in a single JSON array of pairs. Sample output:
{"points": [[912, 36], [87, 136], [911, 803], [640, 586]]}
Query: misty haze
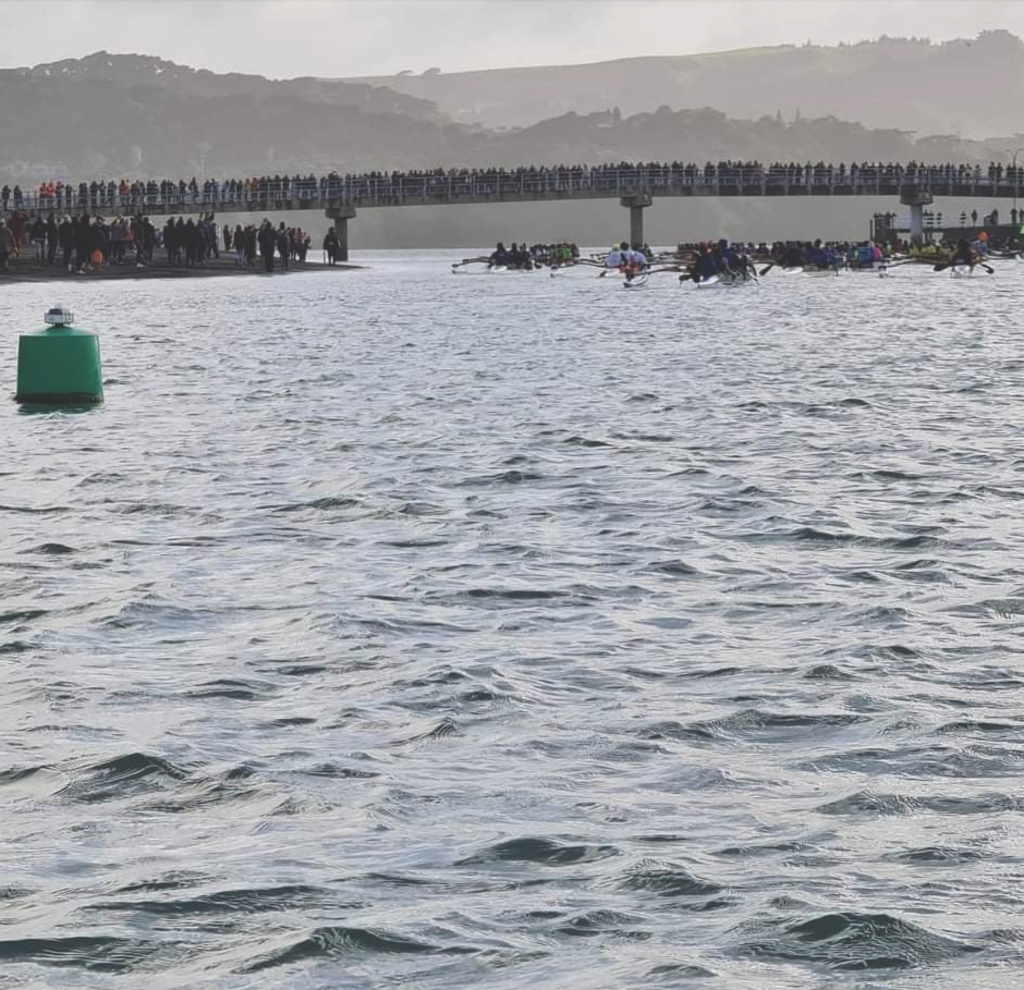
{"points": [[802, 103]]}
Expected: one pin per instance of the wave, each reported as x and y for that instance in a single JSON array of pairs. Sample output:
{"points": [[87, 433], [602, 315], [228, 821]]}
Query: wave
{"points": [[666, 879], [246, 901], [849, 941], [548, 852], [868, 803], [341, 941], [95, 953], [121, 777]]}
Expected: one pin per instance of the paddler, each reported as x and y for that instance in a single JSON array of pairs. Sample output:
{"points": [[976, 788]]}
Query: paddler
{"points": [[962, 254], [793, 257], [499, 257], [733, 260], [633, 262], [614, 257], [720, 253], [740, 262], [705, 265], [816, 256]]}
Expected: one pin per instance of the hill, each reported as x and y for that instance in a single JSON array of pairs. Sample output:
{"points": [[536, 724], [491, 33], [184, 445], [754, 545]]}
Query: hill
{"points": [[112, 116], [130, 115], [182, 80], [972, 87]]}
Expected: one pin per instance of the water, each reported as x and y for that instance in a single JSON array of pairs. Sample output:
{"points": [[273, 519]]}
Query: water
{"points": [[390, 629]]}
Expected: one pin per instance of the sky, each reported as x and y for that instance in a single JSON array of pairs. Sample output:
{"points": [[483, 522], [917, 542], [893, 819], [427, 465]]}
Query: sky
{"points": [[339, 38]]}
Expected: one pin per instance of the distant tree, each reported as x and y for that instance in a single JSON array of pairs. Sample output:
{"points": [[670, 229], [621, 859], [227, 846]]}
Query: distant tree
{"points": [[432, 71]]}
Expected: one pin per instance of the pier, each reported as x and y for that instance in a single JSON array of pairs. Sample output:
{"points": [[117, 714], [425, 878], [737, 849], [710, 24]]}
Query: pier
{"points": [[636, 187]]}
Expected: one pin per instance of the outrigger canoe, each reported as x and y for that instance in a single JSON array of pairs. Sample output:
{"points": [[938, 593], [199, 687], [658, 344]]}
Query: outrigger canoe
{"points": [[813, 272], [494, 270], [723, 282]]}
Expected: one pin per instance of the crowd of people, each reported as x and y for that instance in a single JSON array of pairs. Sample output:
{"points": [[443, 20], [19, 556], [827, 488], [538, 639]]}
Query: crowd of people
{"points": [[519, 256], [69, 219], [85, 242], [704, 259], [289, 243], [727, 257], [629, 260], [441, 185], [710, 258]]}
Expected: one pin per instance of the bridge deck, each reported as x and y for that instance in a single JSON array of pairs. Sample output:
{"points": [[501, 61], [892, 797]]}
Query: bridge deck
{"points": [[373, 192]]}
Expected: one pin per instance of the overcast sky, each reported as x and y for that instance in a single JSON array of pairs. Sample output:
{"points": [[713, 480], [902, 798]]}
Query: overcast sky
{"points": [[286, 38]]}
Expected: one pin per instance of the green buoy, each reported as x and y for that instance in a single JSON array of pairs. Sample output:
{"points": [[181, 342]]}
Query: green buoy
{"points": [[59, 365]]}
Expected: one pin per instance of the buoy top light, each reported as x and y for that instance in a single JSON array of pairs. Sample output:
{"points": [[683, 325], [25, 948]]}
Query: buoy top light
{"points": [[59, 316]]}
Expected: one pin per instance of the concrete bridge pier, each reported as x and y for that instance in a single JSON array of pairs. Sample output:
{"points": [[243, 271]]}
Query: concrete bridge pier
{"points": [[917, 200], [636, 205], [341, 216]]}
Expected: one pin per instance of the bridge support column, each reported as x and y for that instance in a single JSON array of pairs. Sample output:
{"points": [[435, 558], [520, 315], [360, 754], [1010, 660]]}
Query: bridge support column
{"points": [[917, 200], [341, 216], [636, 205]]}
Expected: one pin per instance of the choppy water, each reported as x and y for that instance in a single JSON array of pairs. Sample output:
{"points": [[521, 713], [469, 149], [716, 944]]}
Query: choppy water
{"points": [[391, 629]]}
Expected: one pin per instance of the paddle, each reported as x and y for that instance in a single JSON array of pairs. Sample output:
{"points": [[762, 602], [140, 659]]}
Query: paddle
{"points": [[947, 264], [767, 268]]}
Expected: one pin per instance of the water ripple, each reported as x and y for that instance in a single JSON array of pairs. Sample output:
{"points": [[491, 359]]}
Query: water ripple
{"points": [[517, 632]]}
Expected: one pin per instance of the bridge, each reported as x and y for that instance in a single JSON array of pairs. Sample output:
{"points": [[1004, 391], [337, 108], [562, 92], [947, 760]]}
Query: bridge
{"points": [[635, 187]]}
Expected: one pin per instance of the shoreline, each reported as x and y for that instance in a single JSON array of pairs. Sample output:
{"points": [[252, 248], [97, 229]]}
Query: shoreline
{"points": [[27, 269]]}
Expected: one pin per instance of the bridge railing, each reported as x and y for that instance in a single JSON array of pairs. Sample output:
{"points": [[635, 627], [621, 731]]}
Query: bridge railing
{"points": [[394, 189]]}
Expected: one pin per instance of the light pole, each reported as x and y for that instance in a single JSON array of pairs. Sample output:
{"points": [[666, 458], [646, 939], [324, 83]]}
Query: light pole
{"points": [[1016, 180]]}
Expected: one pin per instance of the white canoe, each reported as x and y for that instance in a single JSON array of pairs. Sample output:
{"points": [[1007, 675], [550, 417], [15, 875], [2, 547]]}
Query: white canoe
{"points": [[724, 282], [496, 270], [711, 282], [812, 272], [636, 282]]}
